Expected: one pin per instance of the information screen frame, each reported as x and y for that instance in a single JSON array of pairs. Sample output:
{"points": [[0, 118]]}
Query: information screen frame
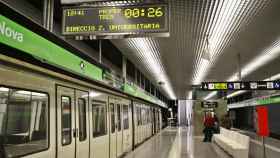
{"points": [[141, 33]]}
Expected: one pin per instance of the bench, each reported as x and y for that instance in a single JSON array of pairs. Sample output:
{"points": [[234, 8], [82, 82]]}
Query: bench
{"points": [[233, 143]]}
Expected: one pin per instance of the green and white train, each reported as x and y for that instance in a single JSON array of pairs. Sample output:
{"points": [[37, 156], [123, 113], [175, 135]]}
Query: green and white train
{"points": [[45, 114], [48, 114]]}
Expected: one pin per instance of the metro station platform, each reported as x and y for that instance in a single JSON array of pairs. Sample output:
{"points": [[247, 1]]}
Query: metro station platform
{"points": [[174, 143]]}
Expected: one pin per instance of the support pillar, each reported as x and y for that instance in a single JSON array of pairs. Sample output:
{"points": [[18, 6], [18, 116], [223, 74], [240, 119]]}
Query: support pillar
{"points": [[239, 67], [100, 51], [124, 70], [48, 14]]}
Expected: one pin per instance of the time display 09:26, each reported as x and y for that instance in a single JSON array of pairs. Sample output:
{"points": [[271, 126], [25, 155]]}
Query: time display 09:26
{"points": [[141, 12]]}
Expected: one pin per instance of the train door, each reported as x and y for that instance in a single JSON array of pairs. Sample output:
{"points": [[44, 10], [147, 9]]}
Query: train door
{"points": [[100, 126], [119, 129], [154, 121], [145, 123], [137, 125], [151, 117], [160, 120], [135, 111], [127, 127], [66, 131], [126, 131], [150, 122], [72, 123], [113, 132], [82, 133], [141, 123]]}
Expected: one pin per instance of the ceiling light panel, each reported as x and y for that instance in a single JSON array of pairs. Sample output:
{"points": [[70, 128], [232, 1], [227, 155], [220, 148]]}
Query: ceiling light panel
{"points": [[181, 57], [222, 23]]}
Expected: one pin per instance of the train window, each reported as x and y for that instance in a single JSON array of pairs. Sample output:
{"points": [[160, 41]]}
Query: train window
{"points": [[66, 120], [125, 117], [119, 117], [99, 119], [148, 116], [139, 116], [112, 110], [143, 116], [82, 119], [23, 121]]}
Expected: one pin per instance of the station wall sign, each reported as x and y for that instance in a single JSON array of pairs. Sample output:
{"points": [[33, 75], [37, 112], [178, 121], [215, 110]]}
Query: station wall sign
{"points": [[116, 20], [250, 85], [207, 104]]}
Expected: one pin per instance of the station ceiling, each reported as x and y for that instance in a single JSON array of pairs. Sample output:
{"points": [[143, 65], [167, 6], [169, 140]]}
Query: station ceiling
{"points": [[206, 37]]}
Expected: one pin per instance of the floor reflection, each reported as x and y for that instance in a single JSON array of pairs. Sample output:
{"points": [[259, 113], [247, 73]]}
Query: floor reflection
{"points": [[174, 143]]}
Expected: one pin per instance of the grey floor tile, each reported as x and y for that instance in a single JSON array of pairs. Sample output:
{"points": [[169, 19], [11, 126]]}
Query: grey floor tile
{"points": [[174, 143]]}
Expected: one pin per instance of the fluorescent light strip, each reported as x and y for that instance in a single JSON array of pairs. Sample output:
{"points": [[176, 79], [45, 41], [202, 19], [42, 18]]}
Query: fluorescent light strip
{"points": [[210, 95], [267, 56], [274, 77], [148, 54], [224, 23], [232, 16], [264, 58], [236, 93]]}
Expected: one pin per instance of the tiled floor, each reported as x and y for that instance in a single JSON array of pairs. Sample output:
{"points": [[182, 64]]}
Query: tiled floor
{"points": [[174, 143]]}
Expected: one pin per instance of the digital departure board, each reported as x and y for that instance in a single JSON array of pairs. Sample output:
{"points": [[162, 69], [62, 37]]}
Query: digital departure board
{"points": [[250, 85], [116, 20]]}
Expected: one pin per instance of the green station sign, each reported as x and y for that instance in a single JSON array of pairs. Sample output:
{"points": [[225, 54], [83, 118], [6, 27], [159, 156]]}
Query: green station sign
{"points": [[19, 37]]}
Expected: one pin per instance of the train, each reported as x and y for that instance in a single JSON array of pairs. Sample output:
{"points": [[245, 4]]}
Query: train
{"points": [[47, 114]]}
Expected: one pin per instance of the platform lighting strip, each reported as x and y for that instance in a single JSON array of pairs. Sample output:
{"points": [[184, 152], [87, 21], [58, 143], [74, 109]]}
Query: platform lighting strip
{"points": [[268, 54], [265, 57], [236, 93], [228, 20], [210, 95], [148, 54]]}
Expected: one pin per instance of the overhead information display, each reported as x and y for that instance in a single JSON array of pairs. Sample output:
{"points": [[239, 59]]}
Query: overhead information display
{"points": [[252, 85], [116, 20]]}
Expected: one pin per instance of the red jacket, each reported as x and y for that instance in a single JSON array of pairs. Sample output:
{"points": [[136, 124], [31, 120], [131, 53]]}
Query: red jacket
{"points": [[209, 122]]}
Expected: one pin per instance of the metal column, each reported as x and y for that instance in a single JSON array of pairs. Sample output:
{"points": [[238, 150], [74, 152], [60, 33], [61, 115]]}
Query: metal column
{"points": [[48, 14], [239, 67], [124, 71], [100, 51]]}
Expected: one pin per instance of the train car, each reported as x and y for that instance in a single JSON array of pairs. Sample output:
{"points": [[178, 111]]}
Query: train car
{"points": [[48, 114]]}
